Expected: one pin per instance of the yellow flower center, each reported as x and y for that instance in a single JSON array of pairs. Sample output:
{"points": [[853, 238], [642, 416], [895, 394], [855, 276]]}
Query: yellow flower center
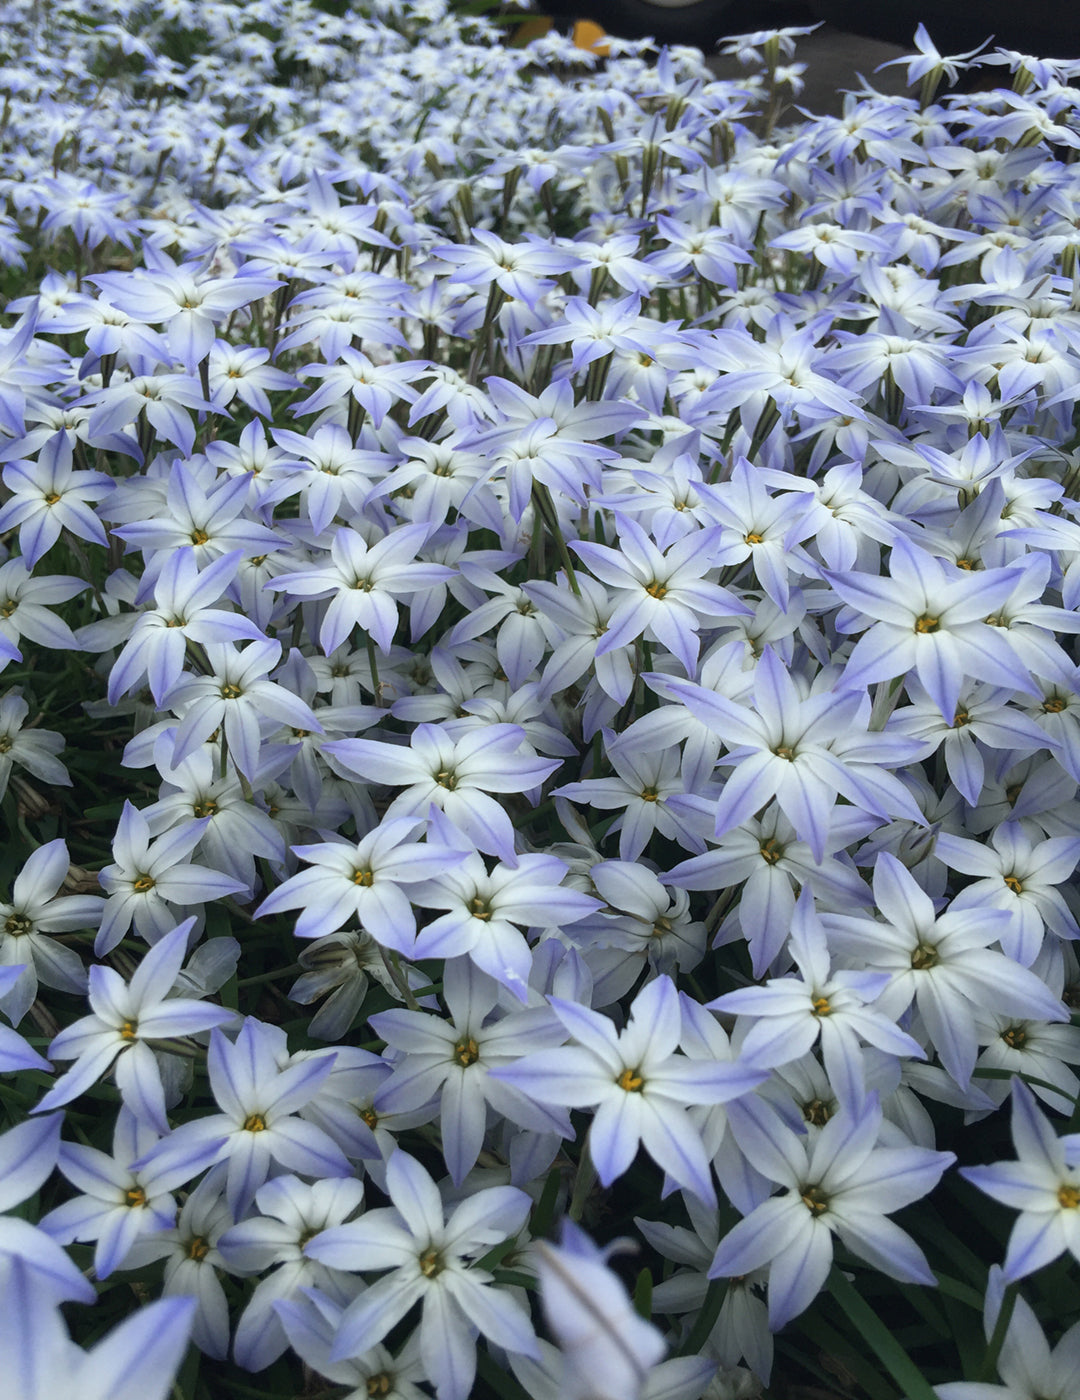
{"points": [[364, 877], [817, 1112], [656, 589], [379, 1384], [255, 1123], [631, 1081], [1015, 1037], [821, 1006], [1014, 884], [1068, 1196], [814, 1199], [129, 1030], [198, 1248], [135, 1196], [924, 957], [430, 1263], [143, 884]]}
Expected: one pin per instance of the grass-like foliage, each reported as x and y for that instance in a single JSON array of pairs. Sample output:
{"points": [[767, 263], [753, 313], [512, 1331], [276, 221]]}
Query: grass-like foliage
{"points": [[539, 725]]}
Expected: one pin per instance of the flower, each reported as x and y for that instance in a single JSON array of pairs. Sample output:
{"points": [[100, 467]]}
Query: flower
{"points": [[607, 1349], [666, 593], [431, 1261], [291, 1213], [451, 1060], [931, 619], [941, 961], [124, 1016], [364, 582], [456, 772], [137, 1360], [1026, 1364], [361, 881], [147, 877], [1043, 1184], [47, 496], [838, 1182], [119, 1205], [259, 1094], [637, 1083], [788, 1016]]}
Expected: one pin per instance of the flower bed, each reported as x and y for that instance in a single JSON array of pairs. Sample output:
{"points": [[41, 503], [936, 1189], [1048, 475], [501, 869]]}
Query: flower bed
{"points": [[539, 705]]}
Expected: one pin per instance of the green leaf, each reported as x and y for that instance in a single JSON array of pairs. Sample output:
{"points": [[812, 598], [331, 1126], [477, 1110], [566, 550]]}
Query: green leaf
{"points": [[643, 1294], [913, 1384]]}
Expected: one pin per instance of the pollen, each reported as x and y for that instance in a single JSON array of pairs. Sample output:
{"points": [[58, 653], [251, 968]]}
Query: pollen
{"points": [[369, 1116], [379, 1384], [960, 719], [821, 1006], [656, 589], [129, 1030], [1015, 1037], [255, 1123], [431, 1263], [207, 808], [479, 908], [754, 538], [926, 624], [466, 1052], [445, 778], [1068, 1196], [924, 957], [817, 1112], [631, 1081], [785, 751], [18, 924], [1014, 884], [53, 498], [198, 1248], [143, 884], [1054, 705], [649, 794], [231, 691], [199, 537], [814, 1199], [366, 878], [135, 1196]]}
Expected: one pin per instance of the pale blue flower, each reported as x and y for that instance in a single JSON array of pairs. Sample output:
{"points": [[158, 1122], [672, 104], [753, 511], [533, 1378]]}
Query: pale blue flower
{"points": [[1043, 1184], [431, 1261], [637, 1083], [119, 1205], [124, 1017], [137, 1360], [789, 1015], [259, 1093], [839, 1183], [608, 1349]]}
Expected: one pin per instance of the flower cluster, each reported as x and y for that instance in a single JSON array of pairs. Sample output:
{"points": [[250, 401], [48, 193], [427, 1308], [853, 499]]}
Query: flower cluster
{"points": [[574, 568]]}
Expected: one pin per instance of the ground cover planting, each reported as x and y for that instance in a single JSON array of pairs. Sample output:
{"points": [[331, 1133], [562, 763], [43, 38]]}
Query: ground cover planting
{"points": [[539, 716]]}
